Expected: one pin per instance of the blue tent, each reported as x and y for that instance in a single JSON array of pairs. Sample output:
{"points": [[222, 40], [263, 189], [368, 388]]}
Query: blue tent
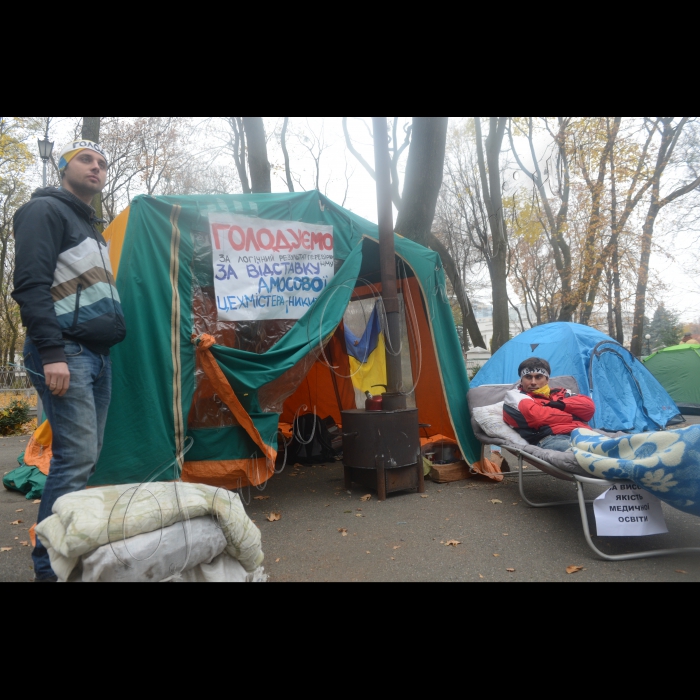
{"points": [[628, 397]]}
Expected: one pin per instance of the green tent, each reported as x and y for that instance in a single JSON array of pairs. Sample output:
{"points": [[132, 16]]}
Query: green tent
{"points": [[197, 398], [678, 371]]}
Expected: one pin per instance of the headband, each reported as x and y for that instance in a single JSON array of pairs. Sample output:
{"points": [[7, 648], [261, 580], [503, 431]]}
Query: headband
{"points": [[72, 149], [538, 370]]}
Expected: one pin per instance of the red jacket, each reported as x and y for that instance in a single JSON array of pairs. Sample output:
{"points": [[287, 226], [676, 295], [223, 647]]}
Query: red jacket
{"points": [[537, 418]]}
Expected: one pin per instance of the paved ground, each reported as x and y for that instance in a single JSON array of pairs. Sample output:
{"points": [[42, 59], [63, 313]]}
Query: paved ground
{"points": [[404, 538], [15, 566]]}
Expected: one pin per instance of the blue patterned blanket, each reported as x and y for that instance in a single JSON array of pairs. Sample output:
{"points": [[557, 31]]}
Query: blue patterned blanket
{"points": [[666, 464]]}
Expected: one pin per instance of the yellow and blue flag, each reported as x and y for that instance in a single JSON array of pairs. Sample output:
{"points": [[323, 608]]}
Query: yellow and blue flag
{"points": [[367, 357]]}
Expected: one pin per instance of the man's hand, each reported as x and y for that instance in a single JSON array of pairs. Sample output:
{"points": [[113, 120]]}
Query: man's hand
{"points": [[57, 378]]}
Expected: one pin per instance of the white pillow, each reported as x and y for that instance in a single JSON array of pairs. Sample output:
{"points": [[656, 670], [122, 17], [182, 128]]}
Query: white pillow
{"points": [[490, 418]]}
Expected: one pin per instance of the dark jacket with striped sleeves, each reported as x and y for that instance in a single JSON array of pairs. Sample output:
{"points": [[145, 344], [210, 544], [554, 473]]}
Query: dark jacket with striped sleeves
{"points": [[63, 277]]}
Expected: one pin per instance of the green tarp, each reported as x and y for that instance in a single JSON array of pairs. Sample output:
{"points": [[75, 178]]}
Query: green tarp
{"points": [[26, 480], [678, 371], [154, 369]]}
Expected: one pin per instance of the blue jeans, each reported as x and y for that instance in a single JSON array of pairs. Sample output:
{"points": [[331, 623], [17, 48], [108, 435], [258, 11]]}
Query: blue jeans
{"points": [[556, 443], [78, 422]]}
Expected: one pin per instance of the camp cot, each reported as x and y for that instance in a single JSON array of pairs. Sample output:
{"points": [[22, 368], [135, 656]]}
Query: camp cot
{"points": [[205, 400], [678, 371]]}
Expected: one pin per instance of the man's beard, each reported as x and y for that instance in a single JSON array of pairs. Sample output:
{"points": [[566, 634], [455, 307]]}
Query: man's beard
{"points": [[84, 189]]}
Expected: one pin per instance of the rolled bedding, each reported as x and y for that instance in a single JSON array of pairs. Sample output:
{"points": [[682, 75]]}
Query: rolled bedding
{"points": [[99, 534]]}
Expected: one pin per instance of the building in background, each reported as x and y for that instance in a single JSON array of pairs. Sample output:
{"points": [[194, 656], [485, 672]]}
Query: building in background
{"points": [[484, 317]]}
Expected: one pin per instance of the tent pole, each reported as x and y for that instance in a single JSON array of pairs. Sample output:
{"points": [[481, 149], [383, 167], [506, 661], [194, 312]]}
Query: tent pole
{"points": [[329, 351], [387, 256]]}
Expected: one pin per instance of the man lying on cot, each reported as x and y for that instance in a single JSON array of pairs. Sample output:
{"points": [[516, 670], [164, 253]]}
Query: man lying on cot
{"points": [[545, 417]]}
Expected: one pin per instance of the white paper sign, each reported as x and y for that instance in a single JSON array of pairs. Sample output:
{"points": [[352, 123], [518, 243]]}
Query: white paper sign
{"points": [[269, 270], [627, 510]]}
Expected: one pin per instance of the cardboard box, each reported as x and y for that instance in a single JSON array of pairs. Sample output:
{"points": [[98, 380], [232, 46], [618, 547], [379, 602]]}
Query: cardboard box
{"points": [[450, 473]]}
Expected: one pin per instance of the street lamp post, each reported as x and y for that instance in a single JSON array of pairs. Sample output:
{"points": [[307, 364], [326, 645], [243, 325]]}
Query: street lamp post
{"points": [[45, 152], [648, 345]]}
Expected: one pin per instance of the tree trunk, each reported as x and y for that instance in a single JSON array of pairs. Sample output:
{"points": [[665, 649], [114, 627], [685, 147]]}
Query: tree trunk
{"points": [[617, 284], [424, 174], [91, 129], [640, 307], [454, 275], [611, 311], [260, 168], [287, 167], [669, 140], [91, 132], [490, 171], [425, 170], [501, 312]]}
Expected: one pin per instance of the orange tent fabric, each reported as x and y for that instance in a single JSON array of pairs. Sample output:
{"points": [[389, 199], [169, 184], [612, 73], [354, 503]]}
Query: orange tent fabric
{"points": [[322, 389], [39, 453]]}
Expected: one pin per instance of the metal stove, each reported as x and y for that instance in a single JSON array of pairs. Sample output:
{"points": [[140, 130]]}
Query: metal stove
{"points": [[382, 451]]}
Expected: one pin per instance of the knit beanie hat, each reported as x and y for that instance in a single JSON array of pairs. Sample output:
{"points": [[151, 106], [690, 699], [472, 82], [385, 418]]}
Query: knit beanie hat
{"points": [[71, 150]]}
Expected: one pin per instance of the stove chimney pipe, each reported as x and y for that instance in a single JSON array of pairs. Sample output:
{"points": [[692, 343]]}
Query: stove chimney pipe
{"points": [[394, 400]]}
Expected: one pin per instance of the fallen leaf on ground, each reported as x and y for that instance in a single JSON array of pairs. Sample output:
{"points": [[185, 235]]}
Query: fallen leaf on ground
{"points": [[343, 532], [5, 549], [36, 503], [480, 576], [328, 506], [359, 515], [274, 517], [262, 498], [505, 534], [574, 570], [278, 561], [17, 522], [510, 571], [369, 552], [684, 573], [24, 544], [348, 512], [425, 496], [496, 502], [298, 466], [396, 548], [497, 555], [367, 498], [19, 511], [453, 543]]}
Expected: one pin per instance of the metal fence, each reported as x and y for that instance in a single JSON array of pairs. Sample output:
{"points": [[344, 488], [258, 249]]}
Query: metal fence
{"points": [[14, 380]]}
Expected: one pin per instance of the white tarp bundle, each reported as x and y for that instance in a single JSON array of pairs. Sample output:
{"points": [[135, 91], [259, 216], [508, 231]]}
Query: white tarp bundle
{"points": [[151, 533]]}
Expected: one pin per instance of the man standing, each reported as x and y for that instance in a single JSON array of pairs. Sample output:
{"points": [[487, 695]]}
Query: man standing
{"points": [[71, 309]]}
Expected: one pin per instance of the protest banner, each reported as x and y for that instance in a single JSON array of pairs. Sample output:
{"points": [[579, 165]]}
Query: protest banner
{"points": [[627, 510], [269, 270]]}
